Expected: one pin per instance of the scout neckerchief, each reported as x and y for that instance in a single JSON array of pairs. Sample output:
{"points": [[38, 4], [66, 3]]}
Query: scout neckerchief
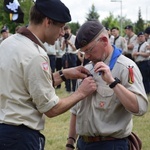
{"points": [[116, 53], [140, 46], [129, 37], [116, 39], [24, 31]]}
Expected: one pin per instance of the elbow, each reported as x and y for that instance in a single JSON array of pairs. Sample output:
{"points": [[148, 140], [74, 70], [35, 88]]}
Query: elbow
{"points": [[51, 114]]}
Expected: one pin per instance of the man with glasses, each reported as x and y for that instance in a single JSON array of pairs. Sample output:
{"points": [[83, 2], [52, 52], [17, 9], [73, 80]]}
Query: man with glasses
{"points": [[27, 90], [103, 121]]}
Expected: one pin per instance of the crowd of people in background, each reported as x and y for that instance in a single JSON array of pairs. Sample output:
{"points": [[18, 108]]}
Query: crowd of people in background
{"points": [[63, 54]]}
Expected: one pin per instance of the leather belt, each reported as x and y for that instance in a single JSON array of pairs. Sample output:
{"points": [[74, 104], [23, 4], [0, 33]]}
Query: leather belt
{"points": [[91, 139]]}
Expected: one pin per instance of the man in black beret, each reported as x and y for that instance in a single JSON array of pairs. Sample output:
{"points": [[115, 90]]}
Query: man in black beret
{"points": [[131, 39], [27, 90], [129, 27], [103, 120], [147, 36], [141, 55]]}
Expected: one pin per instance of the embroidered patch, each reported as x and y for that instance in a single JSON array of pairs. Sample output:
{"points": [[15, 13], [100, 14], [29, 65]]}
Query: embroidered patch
{"points": [[102, 104], [131, 75], [45, 66]]}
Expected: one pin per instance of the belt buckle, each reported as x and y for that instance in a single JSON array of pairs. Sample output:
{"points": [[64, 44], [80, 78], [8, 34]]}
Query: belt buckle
{"points": [[102, 138], [85, 138]]}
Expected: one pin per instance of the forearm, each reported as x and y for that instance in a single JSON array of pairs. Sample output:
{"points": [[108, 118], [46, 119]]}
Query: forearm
{"points": [[130, 47], [144, 54], [72, 130], [73, 47], [65, 104], [127, 98]]}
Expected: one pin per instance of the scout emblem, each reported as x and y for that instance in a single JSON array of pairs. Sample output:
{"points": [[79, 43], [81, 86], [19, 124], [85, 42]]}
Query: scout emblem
{"points": [[45, 66], [102, 104], [131, 75]]}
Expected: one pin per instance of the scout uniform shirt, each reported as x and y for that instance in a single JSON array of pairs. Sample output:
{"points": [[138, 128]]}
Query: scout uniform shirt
{"points": [[131, 40], [102, 114], [141, 48], [121, 43], [26, 90]]}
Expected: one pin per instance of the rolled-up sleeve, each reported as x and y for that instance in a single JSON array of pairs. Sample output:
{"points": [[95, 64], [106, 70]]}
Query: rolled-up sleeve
{"points": [[39, 83]]}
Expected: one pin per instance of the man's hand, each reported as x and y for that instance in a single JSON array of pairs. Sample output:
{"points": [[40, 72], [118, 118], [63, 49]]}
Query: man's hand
{"points": [[76, 73], [87, 87], [105, 72]]}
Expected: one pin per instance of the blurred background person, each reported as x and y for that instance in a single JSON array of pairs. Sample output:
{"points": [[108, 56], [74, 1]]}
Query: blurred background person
{"points": [[131, 39], [81, 58], [119, 41], [147, 36], [51, 51], [141, 55], [59, 54], [111, 37], [4, 34], [69, 59]]}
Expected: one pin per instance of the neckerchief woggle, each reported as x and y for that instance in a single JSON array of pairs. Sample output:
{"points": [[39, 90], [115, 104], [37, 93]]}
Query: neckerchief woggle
{"points": [[116, 53]]}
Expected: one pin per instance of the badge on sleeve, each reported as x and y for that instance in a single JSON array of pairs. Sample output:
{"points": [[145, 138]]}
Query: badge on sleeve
{"points": [[45, 66], [131, 75]]}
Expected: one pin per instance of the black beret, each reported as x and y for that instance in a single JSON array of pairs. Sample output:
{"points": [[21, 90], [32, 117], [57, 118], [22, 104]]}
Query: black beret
{"points": [[140, 33], [129, 27], [3, 30], [147, 30], [116, 28], [88, 32], [54, 9], [107, 28]]}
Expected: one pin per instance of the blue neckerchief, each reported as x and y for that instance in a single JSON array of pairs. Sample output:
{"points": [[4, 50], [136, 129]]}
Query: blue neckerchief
{"points": [[116, 53]]}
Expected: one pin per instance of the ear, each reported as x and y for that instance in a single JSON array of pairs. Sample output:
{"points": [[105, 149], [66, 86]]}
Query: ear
{"points": [[48, 21], [104, 40]]}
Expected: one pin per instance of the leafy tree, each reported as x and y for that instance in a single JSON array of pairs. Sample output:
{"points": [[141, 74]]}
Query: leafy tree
{"points": [[110, 21], [140, 23], [25, 6], [92, 14], [5, 18]]}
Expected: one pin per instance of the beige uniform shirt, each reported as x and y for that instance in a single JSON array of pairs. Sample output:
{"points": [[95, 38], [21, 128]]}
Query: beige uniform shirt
{"points": [[132, 40], [51, 50], [148, 40], [102, 114], [121, 43], [26, 90], [143, 49]]}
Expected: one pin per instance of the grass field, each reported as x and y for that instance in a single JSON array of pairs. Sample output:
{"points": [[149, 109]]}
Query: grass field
{"points": [[56, 129]]}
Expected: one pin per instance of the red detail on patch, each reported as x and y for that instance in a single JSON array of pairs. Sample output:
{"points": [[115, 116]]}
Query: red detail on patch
{"points": [[45, 66], [131, 75], [102, 104]]}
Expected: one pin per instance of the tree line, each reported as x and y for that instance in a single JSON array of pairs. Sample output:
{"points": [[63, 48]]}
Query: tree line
{"points": [[110, 21]]}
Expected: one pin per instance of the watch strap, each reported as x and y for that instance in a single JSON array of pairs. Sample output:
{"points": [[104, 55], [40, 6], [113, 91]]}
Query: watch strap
{"points": [[62, 75], [113, 84]]}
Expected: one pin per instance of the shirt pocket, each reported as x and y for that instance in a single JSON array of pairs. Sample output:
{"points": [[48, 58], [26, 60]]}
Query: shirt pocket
{"points": [[105, 97]]}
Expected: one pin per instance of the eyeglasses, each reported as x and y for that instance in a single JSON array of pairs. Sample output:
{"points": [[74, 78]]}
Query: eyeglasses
{"points": [[90, 50]]}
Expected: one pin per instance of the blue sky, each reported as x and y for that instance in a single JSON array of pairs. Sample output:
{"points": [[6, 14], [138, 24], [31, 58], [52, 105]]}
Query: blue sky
{"points": [[130, 8]]}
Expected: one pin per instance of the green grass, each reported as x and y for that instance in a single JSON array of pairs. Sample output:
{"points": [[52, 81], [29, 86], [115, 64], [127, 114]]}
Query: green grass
{"points": [[56, 129]]}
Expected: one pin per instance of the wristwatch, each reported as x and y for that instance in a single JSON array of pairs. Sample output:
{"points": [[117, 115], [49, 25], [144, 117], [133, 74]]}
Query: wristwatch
{"points": [[62, 75], [113, 84]]}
